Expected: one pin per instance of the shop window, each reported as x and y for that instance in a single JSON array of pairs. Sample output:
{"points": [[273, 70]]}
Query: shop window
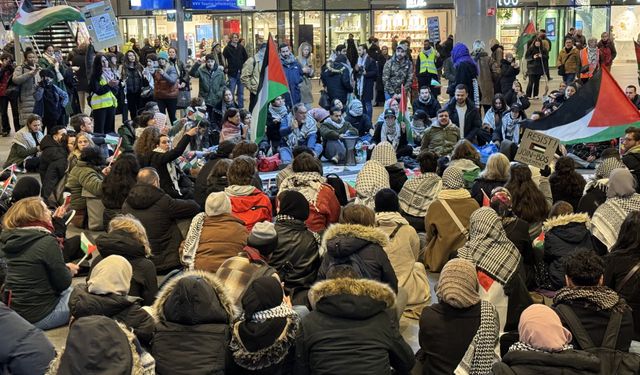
{"points": [[409, 24]]}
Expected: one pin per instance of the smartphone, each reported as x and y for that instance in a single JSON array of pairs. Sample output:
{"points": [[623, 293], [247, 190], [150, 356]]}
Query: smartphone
{"points": [[67, 201]]}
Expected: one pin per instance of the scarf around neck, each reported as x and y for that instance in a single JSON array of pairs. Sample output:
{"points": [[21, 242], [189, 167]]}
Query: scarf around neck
{"points": [[481, 355], [278, 113], [391, 133], [334, 124], [307, 184], [171, 168], [601, 298]]}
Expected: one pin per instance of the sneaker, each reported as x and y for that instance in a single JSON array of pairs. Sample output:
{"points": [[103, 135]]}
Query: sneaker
{"points": [[335, 160], [68, 217]]}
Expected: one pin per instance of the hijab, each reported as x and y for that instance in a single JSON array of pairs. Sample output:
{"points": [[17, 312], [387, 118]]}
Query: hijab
{"points": [[621, 183], [540, 327], [111, 276]]}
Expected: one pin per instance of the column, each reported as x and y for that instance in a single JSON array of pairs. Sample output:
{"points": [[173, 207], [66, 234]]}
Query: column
{"points": [[472, 22], [182, 43]]}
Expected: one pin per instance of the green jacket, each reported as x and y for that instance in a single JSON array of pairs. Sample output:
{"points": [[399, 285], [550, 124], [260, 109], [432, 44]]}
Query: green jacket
{"points": [[211, 83], [83, 177], [440, 140], [329, 133], [37, 272]]}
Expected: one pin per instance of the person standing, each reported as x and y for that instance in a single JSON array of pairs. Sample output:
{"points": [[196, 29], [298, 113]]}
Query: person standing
{"points": [[26, 76], [465, 72], [6, 73], [183, 72], [134, 81], [166, 86], [536, 54], [365, 72], [305, 58], [608, 51], [397, 71], [211, 81], [293, 73], [590, 59], [337, 80], [104, 89], [79, 65], [568, 62], [250, 75], [546, 43], [380, 55], [426, 70], [236, 55], [485, 76]]}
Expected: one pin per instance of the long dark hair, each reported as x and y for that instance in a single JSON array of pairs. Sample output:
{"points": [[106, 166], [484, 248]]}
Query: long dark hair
{"points": [[628, 242], [96, 70], [565, 179], [529, 203], [117, 184]]}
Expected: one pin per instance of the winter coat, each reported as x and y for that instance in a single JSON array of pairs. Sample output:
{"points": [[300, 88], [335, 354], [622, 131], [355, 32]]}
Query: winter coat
{"points": [[336, 78], [510, 97], [396, 73], [349, 332], [397, 177], [24, 349], [53, 164], [403, 250], [464, 73], [371, 74], [222, 237], [618, 265], [37, 273], [84, 177], [566, 362], [250, 76], [24, 145], [80, 60], [345, 240], [431, 107], [631, 159], [163, 160], [329, 133], [485, 78], [325, 212], [570, 60], [483, 185], [28, 84], [128, 135], [443, 235], [508, 74], [536, 66], [297, 257], [201, 188], [166, 83], [440, 140], [144, 283], [251, 208], [211, 82], [472, 122], [235, 56], [293, 72], [608, 52], [564, 235], [362, 123], [159, 214], [517, 231], [193, 316], [125, 309], [377, 136]]}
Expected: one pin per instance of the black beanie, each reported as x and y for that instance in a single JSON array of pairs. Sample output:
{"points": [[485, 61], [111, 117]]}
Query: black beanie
{"points": [[294, 204], [387, 201], [26, 187], [263, 293]]}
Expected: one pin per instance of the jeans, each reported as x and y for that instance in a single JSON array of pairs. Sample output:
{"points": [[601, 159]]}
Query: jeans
{"points": [[60, 314], [286, 155], [4, 109], [569, 78], [311, 142], [335, 148], [234, 82], [533, 87], [368, 108], [170, 105]]}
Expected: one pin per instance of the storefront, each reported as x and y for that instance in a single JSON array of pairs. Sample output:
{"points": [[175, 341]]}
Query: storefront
{"points": [[513, 17], [625, 25], [411, 25]]}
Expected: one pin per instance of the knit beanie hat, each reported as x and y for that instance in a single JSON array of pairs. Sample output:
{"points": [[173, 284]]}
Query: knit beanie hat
{"points": [[355, 108], [264, 238], [163, 55], [26, 187], [294, 204], [387, 201], [263, 293], [458, 285], [217, 204]]}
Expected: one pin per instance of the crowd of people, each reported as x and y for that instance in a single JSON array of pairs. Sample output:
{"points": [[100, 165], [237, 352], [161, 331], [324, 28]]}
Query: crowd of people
{"points": [[537, 267]]}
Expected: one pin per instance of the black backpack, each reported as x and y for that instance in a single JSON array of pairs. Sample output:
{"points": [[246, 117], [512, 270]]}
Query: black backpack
{"points": [[612, 361], [338, 187]]}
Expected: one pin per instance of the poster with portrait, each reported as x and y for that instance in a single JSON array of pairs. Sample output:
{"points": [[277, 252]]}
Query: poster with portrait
{"points": [[102, 25]]}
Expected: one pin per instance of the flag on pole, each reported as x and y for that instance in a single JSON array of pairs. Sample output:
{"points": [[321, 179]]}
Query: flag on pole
{"points": [[273, 83], [486, 202], [87, 246], [403, 115], [29, 22], [524, 38], [117, 152]]}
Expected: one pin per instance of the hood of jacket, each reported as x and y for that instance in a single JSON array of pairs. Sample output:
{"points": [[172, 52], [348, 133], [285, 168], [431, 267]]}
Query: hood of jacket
{"points": [[82, 303], [242, 203], [120, 242], [267, 356], [342, 240], [195, 297], [571, 228], [15, 241], [143, 196], [351, 298]]}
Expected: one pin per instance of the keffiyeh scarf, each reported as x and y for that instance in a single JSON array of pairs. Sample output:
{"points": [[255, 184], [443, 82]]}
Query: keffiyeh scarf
{"points": [[608, 218], [277, 113], [453, 179], [521, 346], [372, 178], [481, 355], [603, 170], [391, 133], [488, 246], [192, 240], [599, 297], [336, 125], [306, 183], [384, 154]]}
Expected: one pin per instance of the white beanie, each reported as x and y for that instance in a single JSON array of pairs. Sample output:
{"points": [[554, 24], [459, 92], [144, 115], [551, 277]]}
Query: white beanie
{"points": [[217, 204]]}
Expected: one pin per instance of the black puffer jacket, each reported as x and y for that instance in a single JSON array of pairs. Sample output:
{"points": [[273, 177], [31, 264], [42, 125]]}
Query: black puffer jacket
{"points": [[343, 240], [349, 331], [159, 161], [193, 317], [619, 264], [144, 283], [564, 235], [296, 258], [567, 362], [397, 177], [335, 77], [596, 194], [53, 164], [362, 123], [125, 309], [159, 214]]}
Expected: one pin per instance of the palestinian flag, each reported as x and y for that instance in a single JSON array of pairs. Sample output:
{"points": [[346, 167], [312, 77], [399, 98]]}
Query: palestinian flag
{"points": [[273, 83], [599, 111], [403, 115], [524, 38], [29, 22], [87, 246]]}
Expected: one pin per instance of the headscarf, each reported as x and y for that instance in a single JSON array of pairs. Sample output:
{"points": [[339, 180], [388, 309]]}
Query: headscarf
{"points": [[460, 54], [488, 246], [604, 169], [372, 178], [621, 183], [540, 327], [384, 154], [355, 108], [111, 276], [501, 202], [453, 179], [458, 284]]}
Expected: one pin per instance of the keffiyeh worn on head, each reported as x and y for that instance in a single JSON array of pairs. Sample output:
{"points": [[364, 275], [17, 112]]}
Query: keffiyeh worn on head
{"points": [[488, 246], [604, 169], [355, 108], [372, 178], [384, 154], [453, 179], [306, 183], [609, 216]]}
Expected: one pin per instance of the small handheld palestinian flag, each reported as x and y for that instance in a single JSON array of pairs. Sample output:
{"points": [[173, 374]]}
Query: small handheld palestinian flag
{"points": [[403, 115], [117, 152], [10, 182], [87, 246], [486, 202]]}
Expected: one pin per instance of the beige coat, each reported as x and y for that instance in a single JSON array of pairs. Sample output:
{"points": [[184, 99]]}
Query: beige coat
{"points": [[402, 251], [250, 75]]}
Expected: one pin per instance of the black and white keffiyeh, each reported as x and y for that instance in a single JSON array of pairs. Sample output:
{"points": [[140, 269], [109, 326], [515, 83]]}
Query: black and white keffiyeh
{"points": [[481, 354], [281, 311], [598, 297], [488, 246], [384, 154], [521, 346], [609, 216], [453, 178], [306, 183], [604, 169], [372, 178]]}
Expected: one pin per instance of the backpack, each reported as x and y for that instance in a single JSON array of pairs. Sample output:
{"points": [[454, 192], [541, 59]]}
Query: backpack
{"points": [[354, 260], [338, 187], [612, 361]]}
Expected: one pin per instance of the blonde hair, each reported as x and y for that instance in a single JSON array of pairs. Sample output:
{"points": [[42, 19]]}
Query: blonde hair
{"points": [[130, 224], [497, 169], [87, 137], [24, 211]]}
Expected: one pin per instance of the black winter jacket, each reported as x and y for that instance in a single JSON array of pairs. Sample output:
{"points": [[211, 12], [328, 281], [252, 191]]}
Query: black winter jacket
{"points": [[125, 309], [472, 122], [24, 349], [362, 123], [377, 136], [342, 240], [350, 332], [159, 213], [397, 177], [595, 196], [236, 57], [465, 72], [482, 184], [508, 75], [632, 161], [618, 264], [431, 107], [337, 81], [159, 161], [53, 164], [200, 187], [192, 333], [144, 283], [36, 273], [566, 362]]}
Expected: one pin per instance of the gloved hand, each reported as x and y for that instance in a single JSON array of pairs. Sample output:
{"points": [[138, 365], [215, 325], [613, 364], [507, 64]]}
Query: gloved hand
{"points": [[546, 172]]}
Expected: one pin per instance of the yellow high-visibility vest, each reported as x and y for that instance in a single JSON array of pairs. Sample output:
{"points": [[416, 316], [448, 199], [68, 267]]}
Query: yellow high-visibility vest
{"points": [[428, 63], [105, 100]]}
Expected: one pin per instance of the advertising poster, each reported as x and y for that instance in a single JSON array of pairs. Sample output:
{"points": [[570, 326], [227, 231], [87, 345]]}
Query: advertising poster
{"points": [[102, 25], [433, 25], [550, 27]]}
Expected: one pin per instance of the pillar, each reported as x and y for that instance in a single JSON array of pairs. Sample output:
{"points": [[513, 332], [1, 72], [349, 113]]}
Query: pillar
{"points": [[182, 43], [472, 22]]}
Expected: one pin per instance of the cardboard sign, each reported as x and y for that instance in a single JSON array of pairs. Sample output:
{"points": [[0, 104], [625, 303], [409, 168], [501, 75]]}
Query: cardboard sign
{"points": [[536, 149], [102, 25], [433, 26]]}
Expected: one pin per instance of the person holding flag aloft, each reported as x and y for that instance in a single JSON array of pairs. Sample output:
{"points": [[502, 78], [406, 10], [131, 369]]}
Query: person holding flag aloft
{"points": [[392, 131]]}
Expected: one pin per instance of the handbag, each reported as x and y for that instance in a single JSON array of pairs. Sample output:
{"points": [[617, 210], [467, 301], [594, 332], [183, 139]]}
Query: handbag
{"points": [[324, 99], [184, 99], [561, 70], [12, 92], [95, 211]]}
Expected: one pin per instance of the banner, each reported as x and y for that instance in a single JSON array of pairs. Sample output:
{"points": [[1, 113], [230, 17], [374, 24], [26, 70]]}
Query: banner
{"points": [[433, 25], [102, 25]]}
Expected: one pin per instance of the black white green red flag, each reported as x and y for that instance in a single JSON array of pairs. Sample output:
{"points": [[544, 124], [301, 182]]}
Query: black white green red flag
{"points": [[599, 111], [30, 22], [273, 83]]}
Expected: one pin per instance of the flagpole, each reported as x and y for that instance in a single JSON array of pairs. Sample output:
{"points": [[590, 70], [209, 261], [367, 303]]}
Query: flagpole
{"points": [[83, 258]]}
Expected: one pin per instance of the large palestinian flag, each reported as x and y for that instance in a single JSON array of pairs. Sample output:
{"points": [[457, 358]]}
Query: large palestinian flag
{"points": [[520, 45], [29, 22], [599, 111], [273, 83]]}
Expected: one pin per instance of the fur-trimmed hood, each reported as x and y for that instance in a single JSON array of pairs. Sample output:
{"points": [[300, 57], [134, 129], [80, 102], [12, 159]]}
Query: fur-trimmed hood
{"points": [[566, 219], [369, 234], [351, 298], [268, 356], [205, 309]]}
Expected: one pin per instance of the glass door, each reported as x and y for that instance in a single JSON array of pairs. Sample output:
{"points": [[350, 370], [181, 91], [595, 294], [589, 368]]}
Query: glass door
{"points": [[341, 24]]}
